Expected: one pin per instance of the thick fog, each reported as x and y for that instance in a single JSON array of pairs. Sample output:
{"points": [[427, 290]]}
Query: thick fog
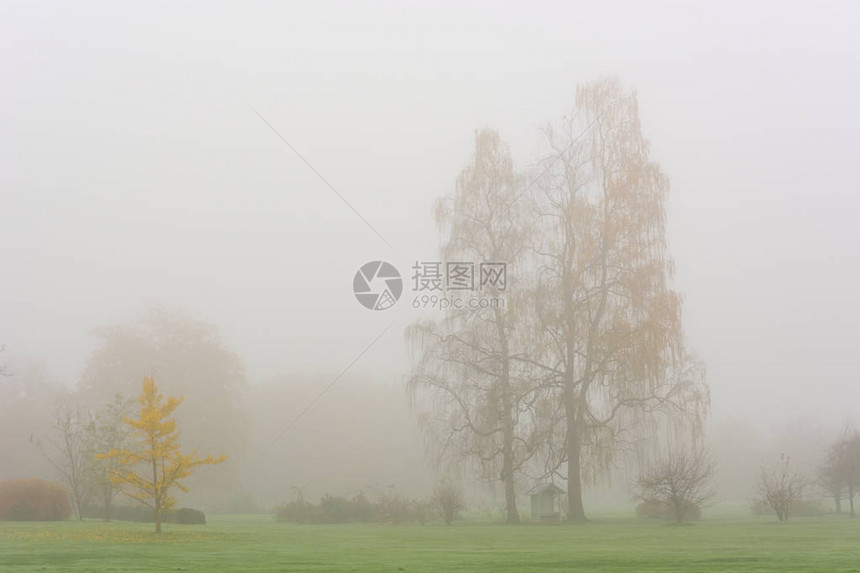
{"points": [[136, 172]]}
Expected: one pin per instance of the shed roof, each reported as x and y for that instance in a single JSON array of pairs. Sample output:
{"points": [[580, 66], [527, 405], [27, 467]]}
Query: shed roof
{"points": [[544, 486]]}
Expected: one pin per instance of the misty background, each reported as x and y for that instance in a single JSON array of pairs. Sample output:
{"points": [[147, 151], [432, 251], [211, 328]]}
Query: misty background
{"points": [[135, 173]]}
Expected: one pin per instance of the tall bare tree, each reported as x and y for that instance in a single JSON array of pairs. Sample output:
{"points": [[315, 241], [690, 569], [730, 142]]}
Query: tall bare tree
{"points": [[609, 321], [66, 447], [840, 473], [107, 431], [478, 398], [850, 466]]}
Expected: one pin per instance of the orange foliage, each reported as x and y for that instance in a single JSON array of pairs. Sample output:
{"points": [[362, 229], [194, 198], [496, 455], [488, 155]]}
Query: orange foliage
{"points": [[33, 500]]}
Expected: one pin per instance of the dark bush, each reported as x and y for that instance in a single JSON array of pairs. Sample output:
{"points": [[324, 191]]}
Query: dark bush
{"points": [[650, 510], [659, 510], [761, 507], [448, 500], [145, 514], [389, 508], [420, 511], [363, 510], [189, 516], [33, 500], [335, 509], [797, 508], [297, 512], [394, 508]]}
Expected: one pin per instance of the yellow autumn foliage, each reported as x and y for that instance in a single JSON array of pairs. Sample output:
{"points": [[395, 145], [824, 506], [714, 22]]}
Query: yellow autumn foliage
{"points": [[149, 471]]}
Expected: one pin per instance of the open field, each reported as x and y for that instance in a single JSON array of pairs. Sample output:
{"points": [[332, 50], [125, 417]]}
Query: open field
{"points": [[256, 543]]}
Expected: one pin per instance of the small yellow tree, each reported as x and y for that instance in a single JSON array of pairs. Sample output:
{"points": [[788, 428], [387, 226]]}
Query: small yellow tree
{"points": [[156, 439]]}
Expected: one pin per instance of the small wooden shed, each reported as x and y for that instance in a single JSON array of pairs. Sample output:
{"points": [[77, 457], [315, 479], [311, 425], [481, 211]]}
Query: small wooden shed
{"points": [[546, 502]]}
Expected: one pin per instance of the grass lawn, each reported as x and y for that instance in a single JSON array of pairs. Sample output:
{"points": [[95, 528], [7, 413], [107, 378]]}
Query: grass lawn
{"points": [[257, 543]]}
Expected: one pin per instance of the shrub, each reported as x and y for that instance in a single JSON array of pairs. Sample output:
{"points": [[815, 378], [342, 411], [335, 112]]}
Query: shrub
{"points": [[33, 500], [393, 508], [189, 516], [298, 511], [650, 510], [676, 484], [420, 512], [364, 510], [145, 514], [335, 509], [761, 507], [448, 500], [659, 510], [389, 507], [797, 508]]}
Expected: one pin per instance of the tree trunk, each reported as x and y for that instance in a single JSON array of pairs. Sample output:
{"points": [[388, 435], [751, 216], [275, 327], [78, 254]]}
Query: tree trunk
{"points": [[157, 516], [76, 501], [575, 509], [511, 514], [677, 504], [108, 506], [156, 497], [851, 500]]}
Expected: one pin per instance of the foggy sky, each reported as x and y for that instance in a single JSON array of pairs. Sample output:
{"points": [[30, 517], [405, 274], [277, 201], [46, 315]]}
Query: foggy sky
{"points": [[134, 171]]}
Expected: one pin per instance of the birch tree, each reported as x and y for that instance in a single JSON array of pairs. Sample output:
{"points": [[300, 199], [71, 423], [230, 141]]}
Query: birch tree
{"points": [[475, 399], [608, 320]]}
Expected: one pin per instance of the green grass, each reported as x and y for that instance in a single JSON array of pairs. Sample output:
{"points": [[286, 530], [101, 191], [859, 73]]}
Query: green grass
{"points": [[256, 543]]}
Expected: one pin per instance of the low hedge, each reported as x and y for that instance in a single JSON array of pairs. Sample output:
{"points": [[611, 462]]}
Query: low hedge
{"points": [[33, 500], [145, 514]]}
